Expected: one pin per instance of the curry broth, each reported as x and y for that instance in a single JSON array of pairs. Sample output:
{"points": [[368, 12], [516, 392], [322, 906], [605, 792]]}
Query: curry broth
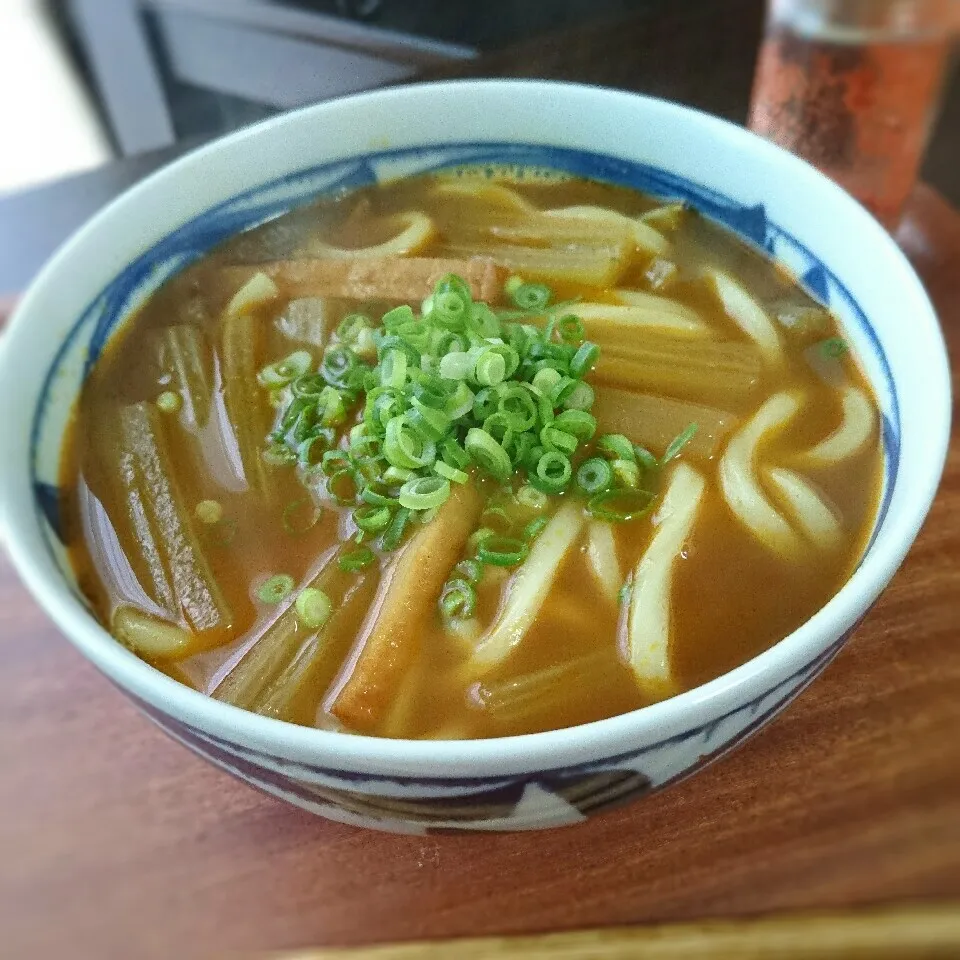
{"points": [[731, 598]]}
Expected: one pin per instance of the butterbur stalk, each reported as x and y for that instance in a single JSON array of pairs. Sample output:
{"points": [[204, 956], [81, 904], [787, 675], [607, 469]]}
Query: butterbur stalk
{"points": [[277, 646], [654, 421], [185, 354], [160, 539], [245, 403], [711, 371]]}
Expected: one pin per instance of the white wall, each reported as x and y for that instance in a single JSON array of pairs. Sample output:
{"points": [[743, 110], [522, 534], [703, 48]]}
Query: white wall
{"points": [[48, 127]]}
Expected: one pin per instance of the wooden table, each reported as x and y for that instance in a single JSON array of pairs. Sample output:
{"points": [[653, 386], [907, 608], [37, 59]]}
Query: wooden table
{"points": [[115, 842]]}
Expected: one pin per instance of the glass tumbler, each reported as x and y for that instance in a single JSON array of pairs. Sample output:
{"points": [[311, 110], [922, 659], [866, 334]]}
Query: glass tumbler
{"points": [[853, 86]]}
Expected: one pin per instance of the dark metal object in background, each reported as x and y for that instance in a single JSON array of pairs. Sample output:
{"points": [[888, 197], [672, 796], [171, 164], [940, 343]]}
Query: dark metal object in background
{"points": [[165, 69], [162, 70]]}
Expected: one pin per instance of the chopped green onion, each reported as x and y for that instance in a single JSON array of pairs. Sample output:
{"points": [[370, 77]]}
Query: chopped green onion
{"points": [[393, 475], [454, 454], [530, 496], [490, 369], [278, 455], [397, 317], [372, 519], [502, 551], [678, 443], [313, 607], [342, 486], [424, 493], [646, 459], [208, 511], [581, 397], [478, 536], [584, 359], [469, 570], [276, 589], [450, 473], [356, 559], [281, 373], [616, 446], [169, 402], [624, 594], [351, 327], [487, 454], [513, 284], [579, 423], [546, 379], [559, 440], [333, 461], [458, 599], [530, 296], [376, 499], [620, 505], [534, 528], [834, 347], [456, 366], [393, 369], [300, 516], [553, 473], [594, 476], [570, 329], [627, 472], [393, 535], [450, 308]]}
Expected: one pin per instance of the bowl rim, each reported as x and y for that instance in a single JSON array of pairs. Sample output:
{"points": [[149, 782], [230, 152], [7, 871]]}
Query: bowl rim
{"points": [[591, 742]]}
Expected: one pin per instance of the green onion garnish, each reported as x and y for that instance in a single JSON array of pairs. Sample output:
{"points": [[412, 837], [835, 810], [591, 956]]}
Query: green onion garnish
{"points": [[469, 570], [393, 535], [208, 511], [169, 402], [276, 589], [313, 607], [458, 599], [356, 559], [621, 505], [834, 347], [424, 493], [502, 551], [372, 519], [678, 443], [594, 476], [530, 296], [534, 528], [398, 411], [300, 516], [281, 373]]}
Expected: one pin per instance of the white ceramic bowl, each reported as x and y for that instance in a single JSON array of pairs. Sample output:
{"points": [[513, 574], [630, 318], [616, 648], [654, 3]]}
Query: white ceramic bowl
{"points": [[764, 194]]}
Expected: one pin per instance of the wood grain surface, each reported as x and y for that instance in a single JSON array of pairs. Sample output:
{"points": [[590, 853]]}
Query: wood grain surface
{"points": [[913, 933], [118, 843]]}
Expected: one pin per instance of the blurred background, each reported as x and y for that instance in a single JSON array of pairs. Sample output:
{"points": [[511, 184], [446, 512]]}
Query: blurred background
{"points": [[83, 82]]}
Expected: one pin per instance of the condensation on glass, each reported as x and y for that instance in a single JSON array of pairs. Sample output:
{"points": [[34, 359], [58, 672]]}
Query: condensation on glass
{"points": [[853, 86]]}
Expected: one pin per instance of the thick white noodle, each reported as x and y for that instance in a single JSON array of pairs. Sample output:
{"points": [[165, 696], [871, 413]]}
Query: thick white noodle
{"points": [[257, 290], [603, 561], [748, 315], [851, 436], [667, 316], [809, 510], [645, 236], [416, 233], [529, 587], [740, 483], [648, 623]]}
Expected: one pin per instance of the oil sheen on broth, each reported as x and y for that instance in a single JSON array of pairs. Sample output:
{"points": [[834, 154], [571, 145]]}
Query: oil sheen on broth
{"points": [[732, 477]]}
